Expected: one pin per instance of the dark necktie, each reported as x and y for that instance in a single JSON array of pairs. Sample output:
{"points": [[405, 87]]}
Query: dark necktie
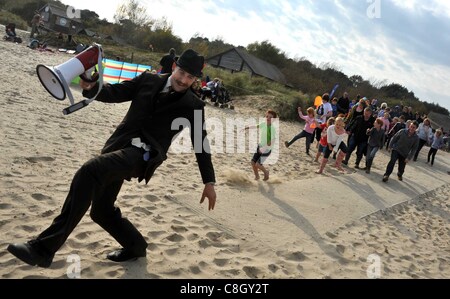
{"points": [[167, 92]]}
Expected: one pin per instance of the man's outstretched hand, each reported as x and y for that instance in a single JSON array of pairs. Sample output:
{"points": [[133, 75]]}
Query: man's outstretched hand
{"points": [[210, 193]]}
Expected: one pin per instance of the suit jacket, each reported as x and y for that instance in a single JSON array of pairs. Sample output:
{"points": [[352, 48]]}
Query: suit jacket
{"points": [[150, 117]]}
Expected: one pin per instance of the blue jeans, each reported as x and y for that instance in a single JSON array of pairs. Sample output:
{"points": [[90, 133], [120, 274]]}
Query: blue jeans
{"points": [[371, 152]]}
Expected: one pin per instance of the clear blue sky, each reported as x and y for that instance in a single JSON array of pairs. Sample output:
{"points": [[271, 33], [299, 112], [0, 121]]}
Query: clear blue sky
{"points": [[406, 42]]}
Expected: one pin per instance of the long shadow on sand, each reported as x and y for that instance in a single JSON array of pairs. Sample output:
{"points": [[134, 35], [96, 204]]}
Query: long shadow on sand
{"points": [[302, 223]]}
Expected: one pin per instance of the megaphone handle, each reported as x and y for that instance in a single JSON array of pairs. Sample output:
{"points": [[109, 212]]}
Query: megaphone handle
{"points": [[76, 107], [86, 76]]}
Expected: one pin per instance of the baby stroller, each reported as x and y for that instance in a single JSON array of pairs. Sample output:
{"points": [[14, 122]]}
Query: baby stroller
{"points": [[223, 99], [11, 35], [220, 97]]}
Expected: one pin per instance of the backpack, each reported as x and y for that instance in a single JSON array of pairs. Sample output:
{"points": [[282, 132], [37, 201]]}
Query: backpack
{"points": [[320, 110]]}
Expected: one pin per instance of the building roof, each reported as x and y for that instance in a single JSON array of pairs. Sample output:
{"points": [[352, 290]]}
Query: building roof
{"points": [[439, 120], [87, 32], [257, 66]]}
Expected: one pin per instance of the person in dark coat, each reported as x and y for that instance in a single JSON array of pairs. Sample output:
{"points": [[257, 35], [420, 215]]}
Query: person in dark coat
{"points": [[167, 62], [343, 104], [161, 107]]}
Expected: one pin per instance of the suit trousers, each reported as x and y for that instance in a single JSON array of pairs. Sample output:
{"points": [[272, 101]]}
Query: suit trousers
{"points": [[97, 184]]}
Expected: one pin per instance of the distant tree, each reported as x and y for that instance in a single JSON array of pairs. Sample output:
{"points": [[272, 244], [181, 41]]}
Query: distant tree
{"points": [[162, 40], [356, 80], [133, 11], [90, 18], [26, 8], [268, 52], [199, 43]]}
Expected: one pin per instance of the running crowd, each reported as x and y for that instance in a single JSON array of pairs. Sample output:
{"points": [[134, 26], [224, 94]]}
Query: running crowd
{"points": [[342, 127]]}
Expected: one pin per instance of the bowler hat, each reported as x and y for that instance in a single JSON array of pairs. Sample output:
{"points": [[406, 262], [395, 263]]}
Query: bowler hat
{"points": [[191, 62]]}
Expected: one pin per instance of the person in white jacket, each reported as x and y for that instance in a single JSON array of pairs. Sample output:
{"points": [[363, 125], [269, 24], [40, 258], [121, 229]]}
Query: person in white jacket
{"points": [[425, 134], [437, 142]]}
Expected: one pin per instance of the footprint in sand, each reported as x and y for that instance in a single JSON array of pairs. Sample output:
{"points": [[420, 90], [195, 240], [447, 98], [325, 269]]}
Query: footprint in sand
{"points": [[273, 268], [142, 210], [81, 236], [195, 270], [175, 238], [176, 273], [152, 198], [5, 206], [330, 235], [171, 252], [47, 213], [3, 222], [340, 249], [175, 221], [251, 272], [221, 262], [40, 159], [179, 229], [233, 272], [204, 243], [40, 197], [152, 247], [193, 237], [27, 228], [217, 236], [112, 274], [295, 256], [156, 234], [158, 219]]}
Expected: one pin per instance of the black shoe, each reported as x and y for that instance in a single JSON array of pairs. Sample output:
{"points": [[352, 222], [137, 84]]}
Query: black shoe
{"points": [[357, 166], [385, 178], [123, 255], [27, 253], [286, 144], [345, 162], [400, 178]]}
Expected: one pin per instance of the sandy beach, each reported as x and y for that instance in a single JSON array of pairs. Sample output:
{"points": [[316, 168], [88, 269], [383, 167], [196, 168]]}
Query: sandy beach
{"points": [[296, 225]]}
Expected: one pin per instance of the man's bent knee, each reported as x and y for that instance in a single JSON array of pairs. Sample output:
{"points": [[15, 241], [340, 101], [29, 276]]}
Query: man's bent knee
{"points": [[101, 216]]}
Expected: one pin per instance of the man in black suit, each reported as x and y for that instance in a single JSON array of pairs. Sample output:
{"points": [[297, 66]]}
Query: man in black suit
{"points": [[137, 147]]}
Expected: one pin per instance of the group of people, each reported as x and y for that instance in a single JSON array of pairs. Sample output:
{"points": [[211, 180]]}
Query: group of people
{"points": [[10, 29], [368, 128]]}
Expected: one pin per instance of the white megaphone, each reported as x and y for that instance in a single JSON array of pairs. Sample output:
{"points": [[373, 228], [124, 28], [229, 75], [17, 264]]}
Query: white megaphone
{"points": [[56, 79]]}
